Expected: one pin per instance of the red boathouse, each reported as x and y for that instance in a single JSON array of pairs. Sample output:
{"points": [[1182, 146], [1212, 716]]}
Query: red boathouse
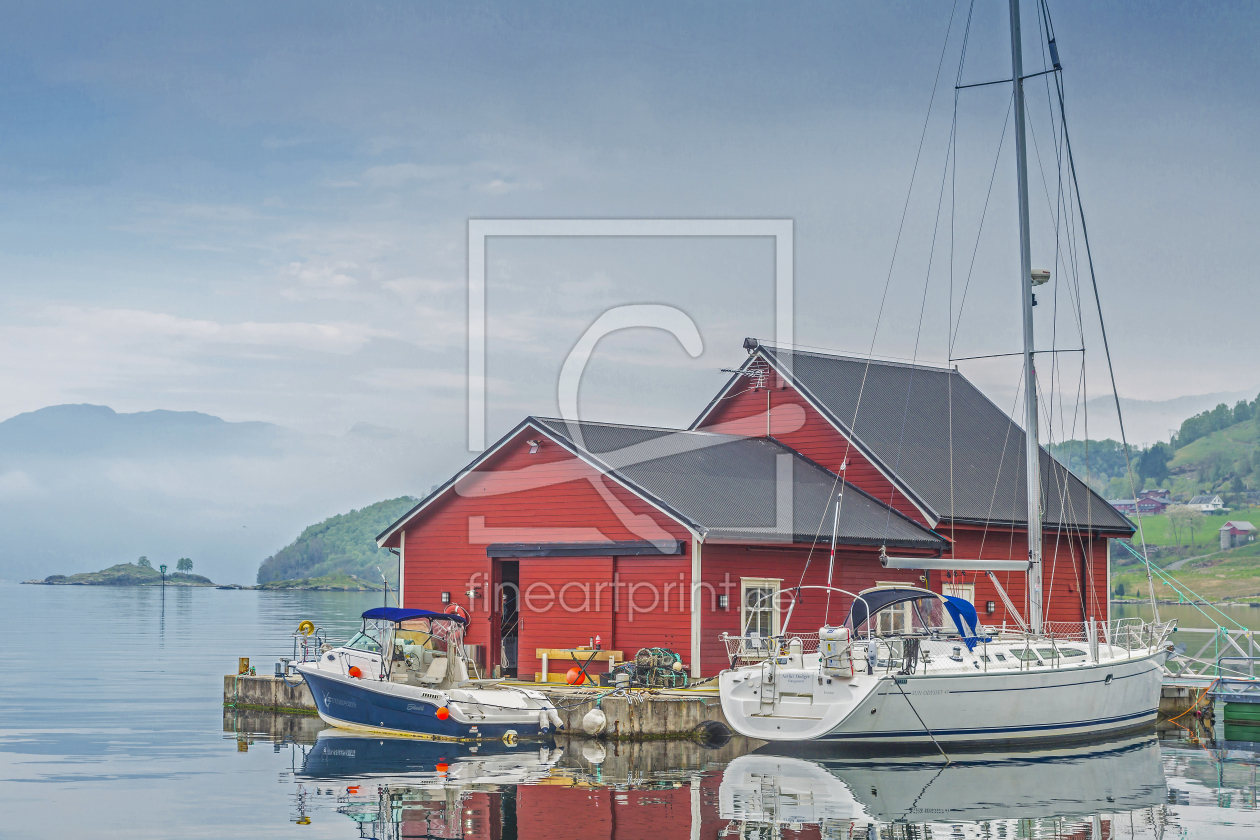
{"points": [[646, 537]]}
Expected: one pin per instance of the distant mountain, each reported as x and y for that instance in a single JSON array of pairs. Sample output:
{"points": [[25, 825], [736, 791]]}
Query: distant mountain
{"points": [[1147, 421], [343, 544], [83, 487]]}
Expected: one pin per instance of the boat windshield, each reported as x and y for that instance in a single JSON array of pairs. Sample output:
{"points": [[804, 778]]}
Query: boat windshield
{"points": [[912, 617], [365, 642], [374, 637]]}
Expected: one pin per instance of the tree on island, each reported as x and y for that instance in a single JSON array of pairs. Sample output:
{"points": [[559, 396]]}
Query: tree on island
{"points": [[144, 561], [184, 565]]}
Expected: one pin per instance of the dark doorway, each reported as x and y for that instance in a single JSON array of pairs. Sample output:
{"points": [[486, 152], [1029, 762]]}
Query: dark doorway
{"points": [[507, 598]]}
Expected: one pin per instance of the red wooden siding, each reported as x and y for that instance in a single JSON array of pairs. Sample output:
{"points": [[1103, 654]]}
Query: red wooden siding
{"points": [[724, 565], [518, 497], [653, 608], [795, 423], [565, 602], [1064, 574]]}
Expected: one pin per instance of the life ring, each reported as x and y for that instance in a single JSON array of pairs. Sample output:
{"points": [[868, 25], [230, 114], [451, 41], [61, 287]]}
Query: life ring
{"points": [[306, 628], [456, 609]]}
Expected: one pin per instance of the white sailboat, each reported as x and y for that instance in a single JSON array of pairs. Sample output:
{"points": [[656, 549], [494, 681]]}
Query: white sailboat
{"points": [[913, 667]]}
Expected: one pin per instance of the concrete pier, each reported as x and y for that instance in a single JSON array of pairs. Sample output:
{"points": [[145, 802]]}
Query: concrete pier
{"points": [[268, 693]]}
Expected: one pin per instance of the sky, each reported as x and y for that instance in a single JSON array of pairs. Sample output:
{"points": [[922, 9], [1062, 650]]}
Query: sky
{"points": [[260, 211]]}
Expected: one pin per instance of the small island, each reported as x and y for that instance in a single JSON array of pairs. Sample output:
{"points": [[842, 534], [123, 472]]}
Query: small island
{"points": [[129, 574]]}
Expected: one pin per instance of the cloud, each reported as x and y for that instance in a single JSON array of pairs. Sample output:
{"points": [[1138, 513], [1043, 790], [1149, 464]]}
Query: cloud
{"points": [[413, 289], [321, 274], [497, 187], [400, 173]]}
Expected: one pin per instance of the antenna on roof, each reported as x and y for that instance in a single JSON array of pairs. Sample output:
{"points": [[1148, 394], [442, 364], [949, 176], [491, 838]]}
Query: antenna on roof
{"points": [[757, 375]]}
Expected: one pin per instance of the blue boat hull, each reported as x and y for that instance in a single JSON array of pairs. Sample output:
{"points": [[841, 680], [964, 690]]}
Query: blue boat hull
{"points": [[357, 706]]}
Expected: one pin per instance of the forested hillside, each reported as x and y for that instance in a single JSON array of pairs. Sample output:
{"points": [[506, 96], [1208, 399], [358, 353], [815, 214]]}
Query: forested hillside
{"points": [[1216, 451], [342, 544]]}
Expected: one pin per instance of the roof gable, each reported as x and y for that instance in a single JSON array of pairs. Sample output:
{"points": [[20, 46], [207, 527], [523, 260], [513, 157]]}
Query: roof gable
{"points": [[729, 487], [904, 424], [721, 487]]}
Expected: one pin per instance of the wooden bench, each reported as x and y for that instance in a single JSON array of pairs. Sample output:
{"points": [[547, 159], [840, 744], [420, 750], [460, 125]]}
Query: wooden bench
{"points": [[570, 657]]}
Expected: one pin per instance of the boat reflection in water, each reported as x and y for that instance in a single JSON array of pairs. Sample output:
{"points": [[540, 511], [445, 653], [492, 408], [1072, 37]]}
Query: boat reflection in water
{"points": [[404, 787], [1072, 790]]}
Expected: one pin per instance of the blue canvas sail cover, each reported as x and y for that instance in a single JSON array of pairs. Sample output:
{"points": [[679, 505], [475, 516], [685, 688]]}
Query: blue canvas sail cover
{"points": [[397, 614], [962, 610]]}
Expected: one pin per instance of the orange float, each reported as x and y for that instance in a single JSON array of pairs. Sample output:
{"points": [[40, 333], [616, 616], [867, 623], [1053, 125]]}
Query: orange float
{"points": [[575, 676], [355, 672], [442, 713]]}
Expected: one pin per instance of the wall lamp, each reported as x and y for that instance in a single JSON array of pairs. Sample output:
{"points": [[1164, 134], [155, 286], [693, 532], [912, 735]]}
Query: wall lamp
{"points": [[533, 445]]}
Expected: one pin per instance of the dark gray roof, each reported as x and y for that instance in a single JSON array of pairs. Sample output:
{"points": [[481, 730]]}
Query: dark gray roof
{"points": [[904, 425], [725, 487]]}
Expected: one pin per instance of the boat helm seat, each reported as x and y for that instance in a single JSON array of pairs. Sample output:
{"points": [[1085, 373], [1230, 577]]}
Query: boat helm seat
{"points": [[435, 673]]}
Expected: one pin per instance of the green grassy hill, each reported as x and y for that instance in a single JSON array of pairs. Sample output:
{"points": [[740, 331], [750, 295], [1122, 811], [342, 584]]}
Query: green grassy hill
{"points": [[340, 545], [1232, 575], [125, 574]]}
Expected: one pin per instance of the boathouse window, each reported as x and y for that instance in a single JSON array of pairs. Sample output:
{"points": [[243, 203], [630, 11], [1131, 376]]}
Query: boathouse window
{"points": [[759, 612], [966, 591]]}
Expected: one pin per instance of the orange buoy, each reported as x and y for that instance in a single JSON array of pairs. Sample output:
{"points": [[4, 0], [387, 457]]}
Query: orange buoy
{"points": [[442, 713], [353, 789], [443, 767], [355, 672], [575, 676]]}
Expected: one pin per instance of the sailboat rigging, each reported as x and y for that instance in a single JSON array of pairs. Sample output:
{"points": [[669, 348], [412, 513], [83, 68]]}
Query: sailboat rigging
{"points": [[910, 665]]}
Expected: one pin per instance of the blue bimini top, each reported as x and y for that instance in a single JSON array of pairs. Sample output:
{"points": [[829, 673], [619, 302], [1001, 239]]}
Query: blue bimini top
{"points": [[399, 615]]}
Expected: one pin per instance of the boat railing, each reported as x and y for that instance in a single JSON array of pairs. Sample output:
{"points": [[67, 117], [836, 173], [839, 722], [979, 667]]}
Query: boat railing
{"points": [[753, 648]]}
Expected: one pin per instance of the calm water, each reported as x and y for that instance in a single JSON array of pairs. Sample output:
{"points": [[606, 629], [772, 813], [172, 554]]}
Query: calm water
{"points": [[111, 725]]}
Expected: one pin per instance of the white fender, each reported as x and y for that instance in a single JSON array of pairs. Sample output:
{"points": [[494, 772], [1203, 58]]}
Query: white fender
{"points": [[554, 718], [594, 722]]}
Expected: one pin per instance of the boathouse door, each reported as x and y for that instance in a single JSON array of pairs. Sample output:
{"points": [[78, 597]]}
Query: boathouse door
{"points": [[506, 618]]}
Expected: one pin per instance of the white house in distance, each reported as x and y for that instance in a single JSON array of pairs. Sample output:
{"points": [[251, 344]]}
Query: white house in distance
{"points": [[1207, 504], [1236, 532]]}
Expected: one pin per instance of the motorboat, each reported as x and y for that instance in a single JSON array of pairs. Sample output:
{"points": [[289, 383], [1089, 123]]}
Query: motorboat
{"points": [[911, 667], [406, 672]]}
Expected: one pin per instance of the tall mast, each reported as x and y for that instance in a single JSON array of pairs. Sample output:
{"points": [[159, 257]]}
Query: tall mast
{"points": [[1032, 453]]}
